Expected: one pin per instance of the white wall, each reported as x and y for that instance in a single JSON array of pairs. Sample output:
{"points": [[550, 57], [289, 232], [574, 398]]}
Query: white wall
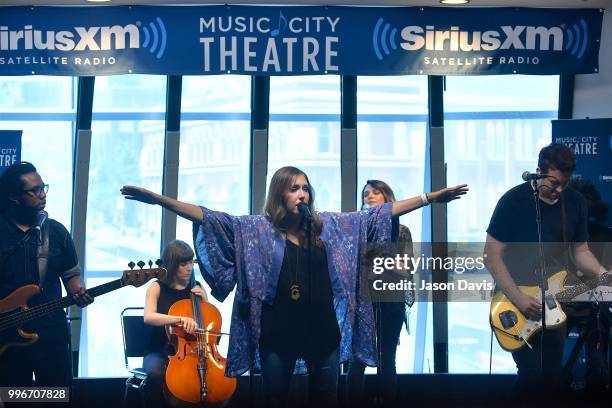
{"points": [[593, 92]]}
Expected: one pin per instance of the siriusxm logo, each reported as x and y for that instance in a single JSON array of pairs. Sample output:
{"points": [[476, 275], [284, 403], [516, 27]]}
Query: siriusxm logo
{"points": [[87, 38], [414, 37]]}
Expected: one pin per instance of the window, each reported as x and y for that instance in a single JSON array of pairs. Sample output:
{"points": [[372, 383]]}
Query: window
{"points": [[214, 156], [391, 139], [127, 148], [494, 129], [304, 132], [44, 108]]}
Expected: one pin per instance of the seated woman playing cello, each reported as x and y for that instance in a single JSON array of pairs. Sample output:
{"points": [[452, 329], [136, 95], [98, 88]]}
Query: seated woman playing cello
{"points": [[161, 295]]}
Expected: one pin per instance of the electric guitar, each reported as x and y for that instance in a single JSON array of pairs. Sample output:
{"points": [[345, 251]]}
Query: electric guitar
{"points": [[15, 312], [513, 330]]}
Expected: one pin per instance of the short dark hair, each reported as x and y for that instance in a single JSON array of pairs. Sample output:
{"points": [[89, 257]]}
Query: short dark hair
{"points": [[175, 253], [557, 156], [10, 181]]}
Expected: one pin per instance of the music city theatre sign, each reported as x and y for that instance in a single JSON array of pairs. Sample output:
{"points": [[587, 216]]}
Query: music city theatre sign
{"points": [[262, 40]]}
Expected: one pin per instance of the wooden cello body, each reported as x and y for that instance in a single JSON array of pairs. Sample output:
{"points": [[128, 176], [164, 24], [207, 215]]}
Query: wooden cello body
{"points": [[196, 372]]}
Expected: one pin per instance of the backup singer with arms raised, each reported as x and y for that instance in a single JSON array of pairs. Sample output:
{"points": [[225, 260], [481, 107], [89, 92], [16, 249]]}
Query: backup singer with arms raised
{"points": [[24, 236], [265, 257]]}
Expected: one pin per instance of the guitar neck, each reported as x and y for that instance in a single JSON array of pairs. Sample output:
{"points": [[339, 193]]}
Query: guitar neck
{"points": [[569, 294], [49, 307]]}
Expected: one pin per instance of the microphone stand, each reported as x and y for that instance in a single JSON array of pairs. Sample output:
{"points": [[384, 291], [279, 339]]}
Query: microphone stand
{"points": [[542, 271], [308, 219]]}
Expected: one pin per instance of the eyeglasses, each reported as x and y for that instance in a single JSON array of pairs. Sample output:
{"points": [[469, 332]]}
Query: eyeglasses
{"points": [[554, 183], [38, 190]]}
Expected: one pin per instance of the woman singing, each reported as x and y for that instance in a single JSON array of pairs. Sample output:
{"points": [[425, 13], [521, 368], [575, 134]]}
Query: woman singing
{"points": [[177, 257], [284, 310]]}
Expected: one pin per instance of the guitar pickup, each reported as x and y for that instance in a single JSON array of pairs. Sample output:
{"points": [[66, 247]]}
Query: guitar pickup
{"points": [[508, 319], [550, 302]]}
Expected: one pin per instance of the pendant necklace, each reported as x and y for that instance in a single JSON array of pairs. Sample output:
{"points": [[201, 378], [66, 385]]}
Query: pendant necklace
{"points": [[295, 287]]}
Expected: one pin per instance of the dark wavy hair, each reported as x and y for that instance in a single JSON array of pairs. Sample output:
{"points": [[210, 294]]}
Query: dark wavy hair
{"points": [[381, 186], [175, 253], [275, 209], [557, 156], [10, 182]]}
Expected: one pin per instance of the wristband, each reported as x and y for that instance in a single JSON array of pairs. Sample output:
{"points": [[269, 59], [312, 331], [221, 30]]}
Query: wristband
{"points": [[424, 199]]}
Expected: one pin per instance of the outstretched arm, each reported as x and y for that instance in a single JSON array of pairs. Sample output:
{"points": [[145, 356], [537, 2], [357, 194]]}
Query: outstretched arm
{"points": [[185, 210], [441, 196]]}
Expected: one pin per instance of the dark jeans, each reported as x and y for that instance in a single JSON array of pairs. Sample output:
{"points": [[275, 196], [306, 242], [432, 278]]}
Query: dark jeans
{"points": [[155, 364], [539, 367], [389, 318], [277, 371]]}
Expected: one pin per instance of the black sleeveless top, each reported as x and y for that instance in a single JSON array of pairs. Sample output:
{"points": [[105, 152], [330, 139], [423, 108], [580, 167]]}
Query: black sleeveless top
{"points": [[305, 327], [167, 297]]}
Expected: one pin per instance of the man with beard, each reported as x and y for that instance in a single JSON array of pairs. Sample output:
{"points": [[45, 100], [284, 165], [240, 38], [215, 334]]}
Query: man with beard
{"points": [[513, 257], [39, 251]]}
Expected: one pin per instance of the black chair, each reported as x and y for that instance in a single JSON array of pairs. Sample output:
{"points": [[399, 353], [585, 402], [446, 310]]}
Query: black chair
{"points": [[135, 339]]}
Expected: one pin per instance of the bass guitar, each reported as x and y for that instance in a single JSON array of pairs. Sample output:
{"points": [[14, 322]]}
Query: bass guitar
{"points": [[513, 330], [15, 312]]}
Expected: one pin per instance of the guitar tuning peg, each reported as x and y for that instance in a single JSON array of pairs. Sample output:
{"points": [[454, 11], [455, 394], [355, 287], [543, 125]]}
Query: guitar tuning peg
{"points": [[131, 264], [141, 264], [159, 263], [150, 263]]}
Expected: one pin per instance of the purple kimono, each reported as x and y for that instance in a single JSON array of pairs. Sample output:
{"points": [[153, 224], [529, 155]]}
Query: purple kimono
{"points": [[247, 251]]}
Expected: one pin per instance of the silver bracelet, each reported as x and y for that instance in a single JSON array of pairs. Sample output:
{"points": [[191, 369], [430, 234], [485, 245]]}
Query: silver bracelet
{"points": [[424, 199]]}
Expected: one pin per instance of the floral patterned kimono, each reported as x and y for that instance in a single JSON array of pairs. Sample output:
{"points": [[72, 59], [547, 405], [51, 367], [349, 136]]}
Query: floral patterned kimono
{"points": [[247, 252]]}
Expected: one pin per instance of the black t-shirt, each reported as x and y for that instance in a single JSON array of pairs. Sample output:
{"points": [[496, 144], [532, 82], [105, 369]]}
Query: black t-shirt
{"points": [[307, 326], [514, 223], [167, 297], [19, 264]]}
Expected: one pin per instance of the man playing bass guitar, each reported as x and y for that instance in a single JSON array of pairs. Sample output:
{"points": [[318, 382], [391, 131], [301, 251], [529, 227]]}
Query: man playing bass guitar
{"points": [[513, 257], [35, 250]]}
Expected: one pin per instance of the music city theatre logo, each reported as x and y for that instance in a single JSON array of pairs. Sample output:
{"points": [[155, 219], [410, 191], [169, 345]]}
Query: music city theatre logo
{"points": [[281, 43], [103, 40], [439, 44]]}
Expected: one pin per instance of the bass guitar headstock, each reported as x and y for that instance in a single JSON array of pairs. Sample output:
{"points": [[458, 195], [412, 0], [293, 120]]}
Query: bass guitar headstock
{"points": [[138, 277]]}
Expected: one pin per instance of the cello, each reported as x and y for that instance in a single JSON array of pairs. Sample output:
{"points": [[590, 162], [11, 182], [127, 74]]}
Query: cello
{"points": [[196, 369]]}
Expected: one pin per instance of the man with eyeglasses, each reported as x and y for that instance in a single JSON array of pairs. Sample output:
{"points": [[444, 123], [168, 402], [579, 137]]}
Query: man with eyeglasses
{"points": [[39, 251], [513, 257]]}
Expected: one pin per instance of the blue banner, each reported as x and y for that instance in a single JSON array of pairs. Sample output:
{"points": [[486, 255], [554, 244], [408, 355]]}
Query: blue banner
{"points": [[262, 40], [591, 140], [10, 148]]}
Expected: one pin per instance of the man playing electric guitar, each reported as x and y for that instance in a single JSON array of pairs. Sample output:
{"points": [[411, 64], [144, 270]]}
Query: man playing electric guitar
{"points": [[34, 250], [513, 257]]}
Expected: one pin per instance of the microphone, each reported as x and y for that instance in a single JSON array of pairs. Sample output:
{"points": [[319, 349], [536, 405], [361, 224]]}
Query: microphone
{"points": [[527, 176], [41, 217], [305, 211]]}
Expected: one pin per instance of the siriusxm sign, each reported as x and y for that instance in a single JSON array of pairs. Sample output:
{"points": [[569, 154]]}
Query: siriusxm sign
{"points": [[107, 38], [415, 37], [255, 40]]}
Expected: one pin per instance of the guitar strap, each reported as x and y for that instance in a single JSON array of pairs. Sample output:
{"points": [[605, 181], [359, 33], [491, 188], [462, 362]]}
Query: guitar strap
{"points": [[43, 252], [566, 246]]}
